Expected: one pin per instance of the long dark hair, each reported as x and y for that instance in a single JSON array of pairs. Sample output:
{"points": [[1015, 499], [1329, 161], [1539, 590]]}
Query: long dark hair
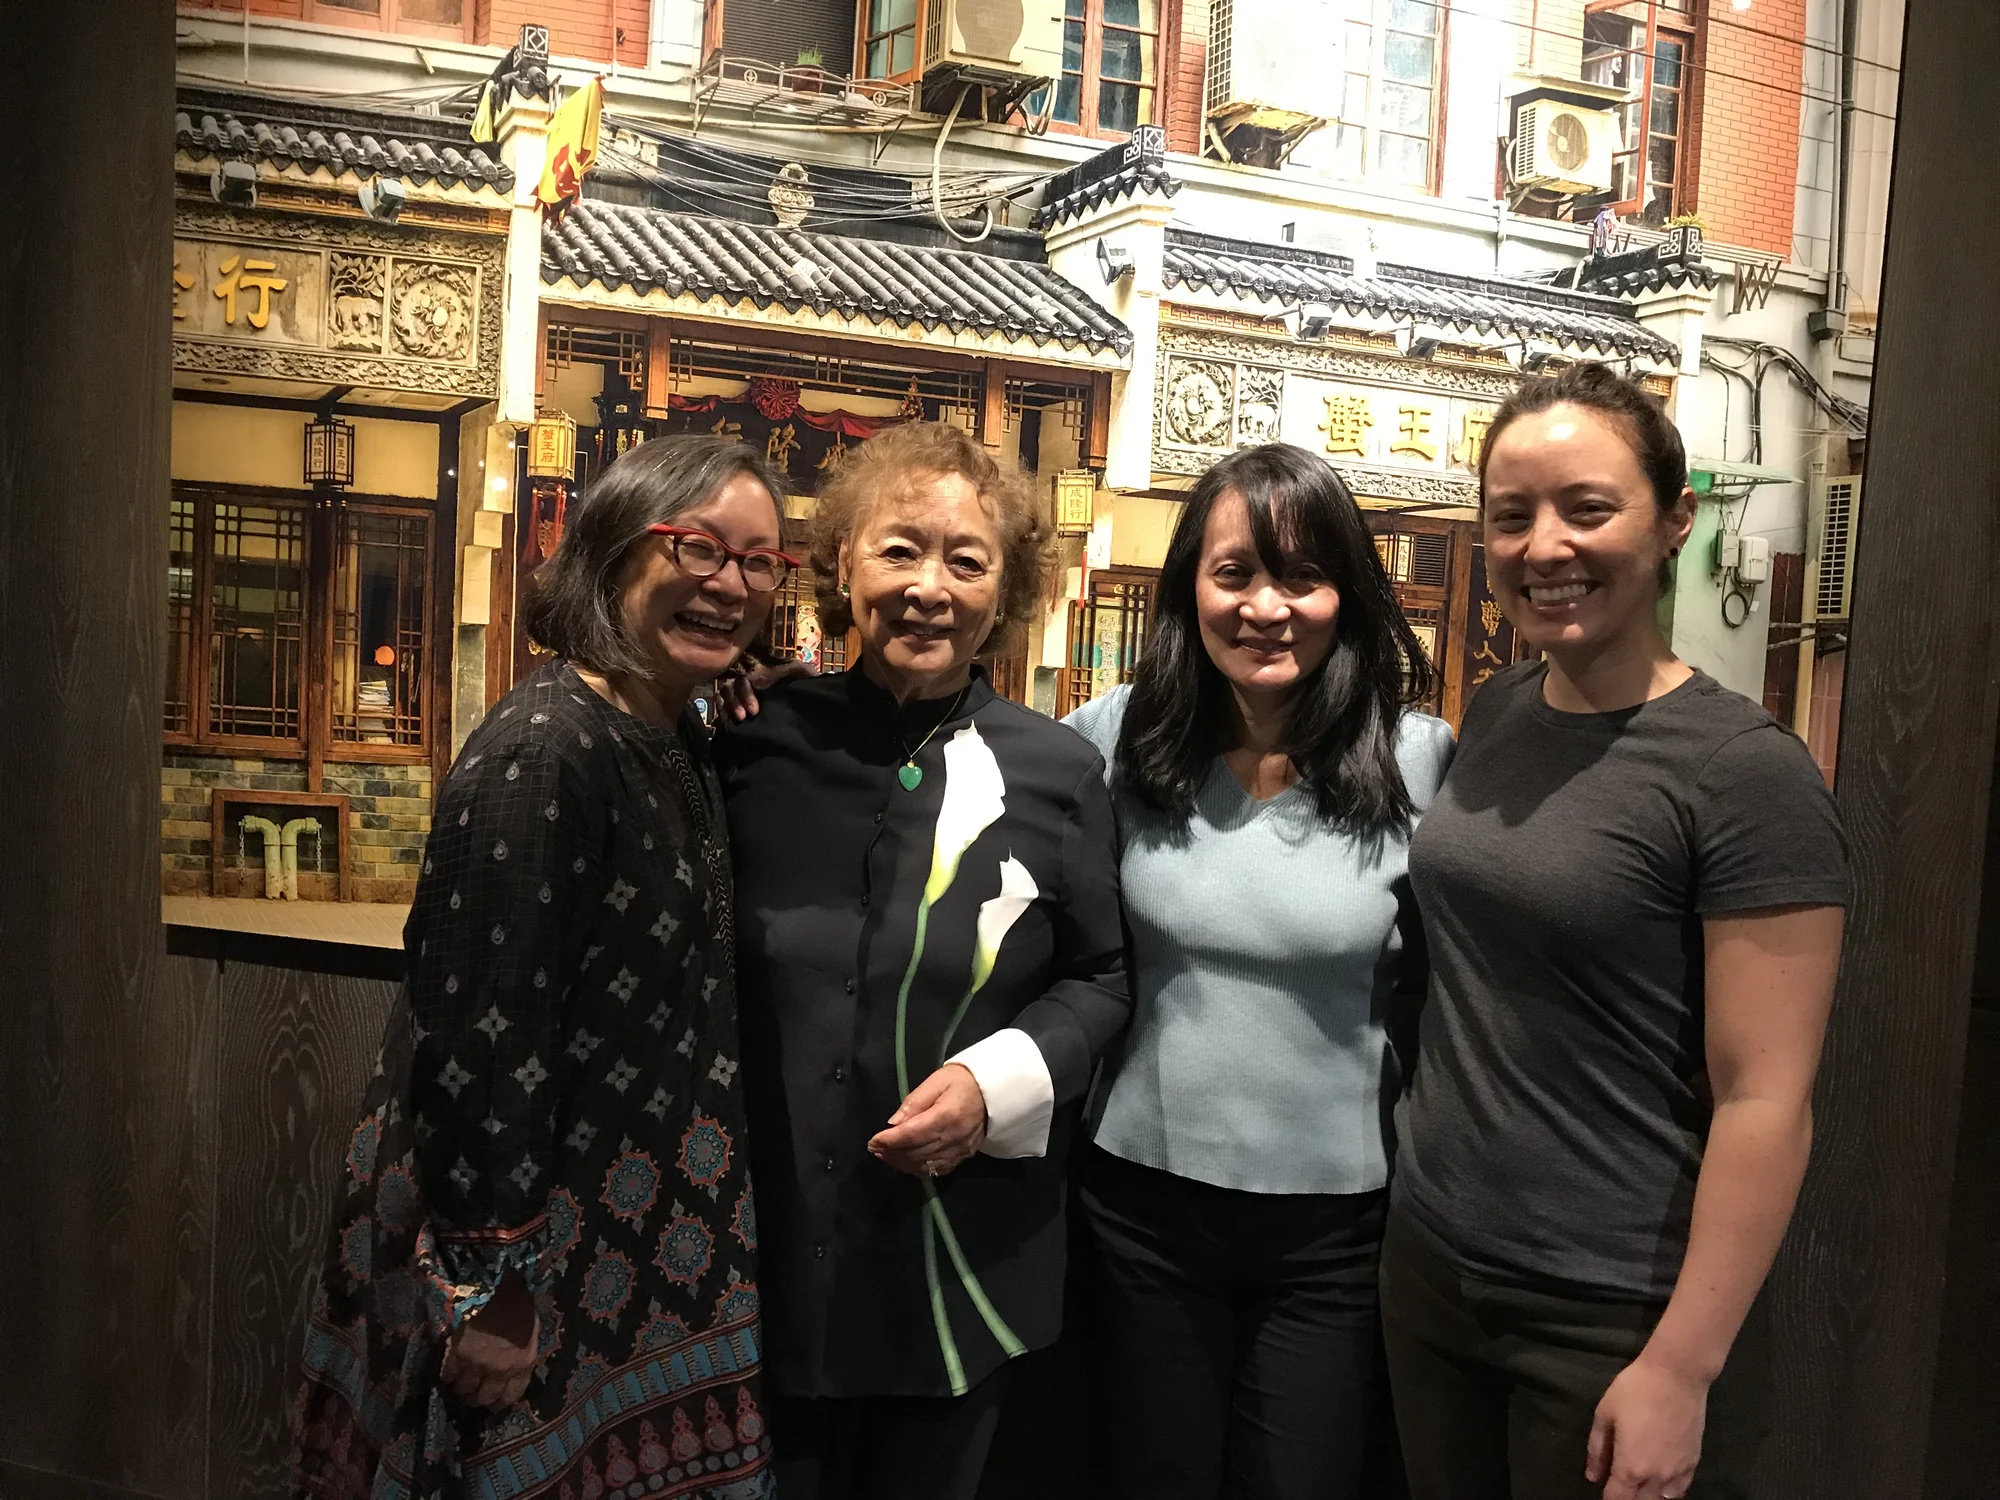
{"points": [[1342, 734], [576, 610]]}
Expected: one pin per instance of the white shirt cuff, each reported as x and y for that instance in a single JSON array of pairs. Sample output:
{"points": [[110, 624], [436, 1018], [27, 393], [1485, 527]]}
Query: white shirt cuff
{"points": [[1020, 1094]]}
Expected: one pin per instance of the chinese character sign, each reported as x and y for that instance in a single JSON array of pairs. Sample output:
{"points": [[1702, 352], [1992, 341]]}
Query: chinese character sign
{"points": [[253, 292], [1348, 418], [1439, 431]]}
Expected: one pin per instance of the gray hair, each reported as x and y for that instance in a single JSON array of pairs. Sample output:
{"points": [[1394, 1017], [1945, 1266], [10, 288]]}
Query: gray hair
{"points": [[576, 610]]}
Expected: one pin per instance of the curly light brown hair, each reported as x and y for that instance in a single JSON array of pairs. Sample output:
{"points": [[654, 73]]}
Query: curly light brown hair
{"points": [[894, 463]]}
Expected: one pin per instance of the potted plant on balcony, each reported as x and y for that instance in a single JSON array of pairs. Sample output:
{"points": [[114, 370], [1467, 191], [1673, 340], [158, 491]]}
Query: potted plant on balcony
{"points": [[808, 76]]}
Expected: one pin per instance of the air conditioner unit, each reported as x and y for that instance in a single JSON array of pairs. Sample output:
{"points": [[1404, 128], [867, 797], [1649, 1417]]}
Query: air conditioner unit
{"points": [[1561, 146], [1002, 40], [1834, 511], [1272, 67]]}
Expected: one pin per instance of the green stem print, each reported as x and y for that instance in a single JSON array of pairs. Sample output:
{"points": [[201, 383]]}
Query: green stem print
{"points": [[954, 1368], [903, 1000], [974, 798]]}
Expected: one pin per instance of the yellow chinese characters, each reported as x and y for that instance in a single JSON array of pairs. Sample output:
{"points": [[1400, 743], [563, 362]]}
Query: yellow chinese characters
{"points": [[778, 447], [1413, 432], [245, 275], [1472, 436], [183, 282], [1348, 419]]}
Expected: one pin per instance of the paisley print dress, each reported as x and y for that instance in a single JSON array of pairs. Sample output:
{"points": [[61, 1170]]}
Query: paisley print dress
{"points": [[558, 1098]]}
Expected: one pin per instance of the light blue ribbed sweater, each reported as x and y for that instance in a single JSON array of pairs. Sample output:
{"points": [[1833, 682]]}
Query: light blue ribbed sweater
{"points": [[1264, 943]]}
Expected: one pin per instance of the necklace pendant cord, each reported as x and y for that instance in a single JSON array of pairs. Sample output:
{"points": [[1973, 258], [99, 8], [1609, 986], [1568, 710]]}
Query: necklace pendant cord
{"points": [[909, 774]]}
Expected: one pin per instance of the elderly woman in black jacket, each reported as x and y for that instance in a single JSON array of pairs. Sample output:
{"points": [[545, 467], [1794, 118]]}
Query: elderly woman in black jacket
{"points": [[932, 964]]}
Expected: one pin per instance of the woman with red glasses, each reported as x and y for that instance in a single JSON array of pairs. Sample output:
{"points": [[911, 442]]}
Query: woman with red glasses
{"points": [[543, 1271]]}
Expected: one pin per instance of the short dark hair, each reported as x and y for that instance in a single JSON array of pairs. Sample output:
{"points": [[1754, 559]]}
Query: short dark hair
{"points": [[890, 464], [1342, 734], [1634, 411], [575, 610]]}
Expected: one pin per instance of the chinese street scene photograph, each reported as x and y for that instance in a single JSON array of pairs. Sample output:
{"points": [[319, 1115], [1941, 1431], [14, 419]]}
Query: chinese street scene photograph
{"points": [[1000, 750]]}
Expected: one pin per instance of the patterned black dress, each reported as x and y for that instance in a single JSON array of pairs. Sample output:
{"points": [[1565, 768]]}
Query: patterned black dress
{"points": [[557, 1096]]}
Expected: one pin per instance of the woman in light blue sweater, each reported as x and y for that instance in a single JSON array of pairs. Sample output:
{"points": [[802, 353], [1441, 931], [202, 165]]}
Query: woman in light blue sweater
{"points": [[1266, 771]]}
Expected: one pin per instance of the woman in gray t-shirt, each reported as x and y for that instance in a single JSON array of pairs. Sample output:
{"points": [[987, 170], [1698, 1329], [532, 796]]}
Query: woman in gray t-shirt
{"points": [[1265, 774], [1633, 885]]}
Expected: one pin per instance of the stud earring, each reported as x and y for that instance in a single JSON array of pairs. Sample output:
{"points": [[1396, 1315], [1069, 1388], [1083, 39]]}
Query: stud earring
{"points": [[843, 591]]}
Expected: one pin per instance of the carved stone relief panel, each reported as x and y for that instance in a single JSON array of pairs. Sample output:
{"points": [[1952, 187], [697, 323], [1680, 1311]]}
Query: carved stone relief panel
{"points": [[1199, 403], [434, 310], [1260, 405], [357, 299], [302, 298]]}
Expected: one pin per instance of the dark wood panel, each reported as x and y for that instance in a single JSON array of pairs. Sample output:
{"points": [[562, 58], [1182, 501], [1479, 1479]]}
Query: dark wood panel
{"points": [[296, 1052], [1965, 1440], [104, 1235], [18, 1482], [1858, 1291]]}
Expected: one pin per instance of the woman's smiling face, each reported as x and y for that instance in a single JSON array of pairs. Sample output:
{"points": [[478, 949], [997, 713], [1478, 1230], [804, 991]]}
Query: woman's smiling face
{"points": [[1266, 632], [923, 578], [1574, 535]]}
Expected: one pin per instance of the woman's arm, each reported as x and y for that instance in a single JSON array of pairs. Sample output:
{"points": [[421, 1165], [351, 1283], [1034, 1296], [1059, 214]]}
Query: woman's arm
{"points": [[1769, 980], [1000, 1094]]}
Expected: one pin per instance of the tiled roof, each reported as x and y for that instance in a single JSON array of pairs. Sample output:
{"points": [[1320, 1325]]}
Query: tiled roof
{"points": [[618, 245], [1489, 305], [260, 127], [1135, 166], [1634, 271]]}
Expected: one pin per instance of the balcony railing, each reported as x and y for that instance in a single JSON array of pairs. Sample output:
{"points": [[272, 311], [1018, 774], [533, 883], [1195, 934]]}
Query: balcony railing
{"points": [[801, 93]]}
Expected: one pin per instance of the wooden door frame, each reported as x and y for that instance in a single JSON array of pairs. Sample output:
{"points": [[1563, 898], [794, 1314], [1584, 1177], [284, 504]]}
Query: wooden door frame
{"points": [[1859, 1293]]}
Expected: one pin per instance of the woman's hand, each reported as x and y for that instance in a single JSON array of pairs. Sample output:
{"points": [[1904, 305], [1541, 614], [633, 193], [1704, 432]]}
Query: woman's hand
{"points": [[489, 1360], [1646, 1440], [739, 689], [939, 1126]]}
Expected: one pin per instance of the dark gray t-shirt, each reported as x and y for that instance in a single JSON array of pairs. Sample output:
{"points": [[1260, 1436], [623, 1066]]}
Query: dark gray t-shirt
{"points": [[1556, 1119]]}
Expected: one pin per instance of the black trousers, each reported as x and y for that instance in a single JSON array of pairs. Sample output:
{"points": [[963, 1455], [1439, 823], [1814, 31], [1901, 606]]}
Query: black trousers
{"points": [[1496, 1387], [1235, 1336], [887, 1447]]}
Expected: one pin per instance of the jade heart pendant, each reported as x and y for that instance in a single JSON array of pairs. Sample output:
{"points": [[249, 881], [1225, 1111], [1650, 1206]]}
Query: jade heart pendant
{"points": [[910, 776]]}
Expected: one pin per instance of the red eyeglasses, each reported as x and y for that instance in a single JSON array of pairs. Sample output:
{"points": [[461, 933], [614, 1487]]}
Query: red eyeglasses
{"points": [[700, 555]]}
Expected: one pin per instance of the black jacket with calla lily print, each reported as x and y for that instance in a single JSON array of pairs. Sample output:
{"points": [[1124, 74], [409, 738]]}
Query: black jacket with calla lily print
{"points": [[883, 929]]}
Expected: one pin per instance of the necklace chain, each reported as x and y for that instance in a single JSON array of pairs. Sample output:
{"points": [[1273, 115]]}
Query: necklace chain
{"points": [[909, 755]]}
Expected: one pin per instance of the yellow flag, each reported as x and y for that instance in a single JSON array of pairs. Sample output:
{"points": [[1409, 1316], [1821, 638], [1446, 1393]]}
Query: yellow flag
{"points": [[572, 145], [482, 119]]}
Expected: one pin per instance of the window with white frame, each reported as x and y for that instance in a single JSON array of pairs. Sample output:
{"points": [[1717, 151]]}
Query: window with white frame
{"points": [[1386, 128]]}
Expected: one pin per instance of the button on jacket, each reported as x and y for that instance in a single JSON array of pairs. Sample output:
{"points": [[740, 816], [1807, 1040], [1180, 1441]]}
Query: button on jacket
{"points": [[884, 930]]}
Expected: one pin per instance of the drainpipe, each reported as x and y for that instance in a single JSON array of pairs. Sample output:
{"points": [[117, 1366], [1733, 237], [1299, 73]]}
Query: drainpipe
{"points": [[291, 852], [1843, 164], [274, 868]]}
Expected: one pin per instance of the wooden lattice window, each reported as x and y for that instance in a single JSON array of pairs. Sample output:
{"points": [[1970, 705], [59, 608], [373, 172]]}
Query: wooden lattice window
{"points": [[380, 599], [256, 621], [1107, 634], [795, 607], [181, 612], [294, 627], [1418, 559]]}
